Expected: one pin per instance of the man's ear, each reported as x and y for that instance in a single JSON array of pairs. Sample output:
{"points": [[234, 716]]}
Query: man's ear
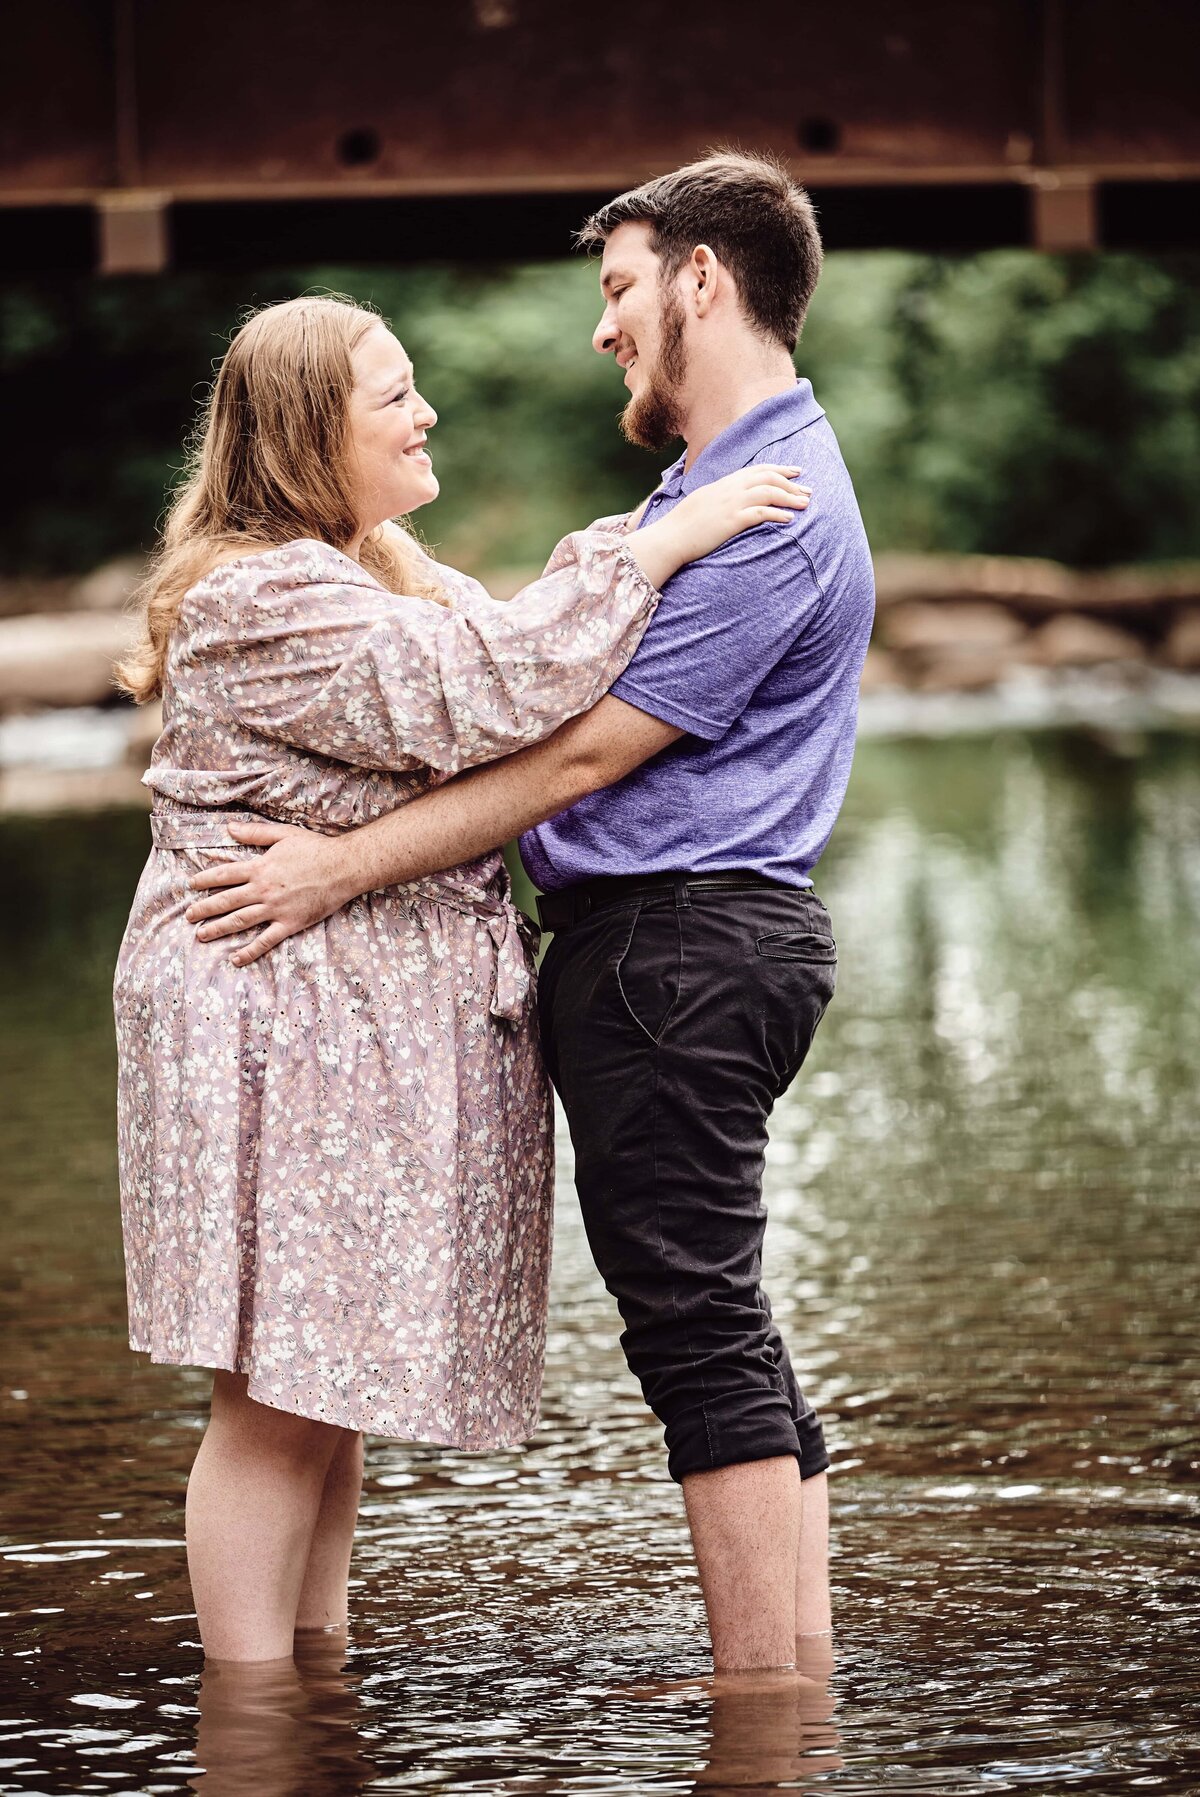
{"points": [[703, 272]]}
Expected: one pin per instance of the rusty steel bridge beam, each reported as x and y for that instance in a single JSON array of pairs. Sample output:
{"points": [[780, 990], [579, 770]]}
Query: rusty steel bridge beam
{"points": [[140, 134]]}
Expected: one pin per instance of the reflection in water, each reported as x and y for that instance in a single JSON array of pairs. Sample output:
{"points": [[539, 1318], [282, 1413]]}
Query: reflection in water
{"points": [[983, 1197], [766, 1733], [282, 1727], [773, 1729]]}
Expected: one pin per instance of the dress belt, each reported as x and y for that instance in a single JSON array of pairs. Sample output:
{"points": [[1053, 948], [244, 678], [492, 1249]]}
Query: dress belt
{"points": [[512, 933], [202, 829]]}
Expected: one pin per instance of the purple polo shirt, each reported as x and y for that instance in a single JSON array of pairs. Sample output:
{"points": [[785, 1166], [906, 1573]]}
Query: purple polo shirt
{"points": [[756, 653]]}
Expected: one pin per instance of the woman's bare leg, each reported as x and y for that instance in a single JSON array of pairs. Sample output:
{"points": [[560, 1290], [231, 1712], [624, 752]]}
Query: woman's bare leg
{"points": [[252, 1504], [324, 1601]]}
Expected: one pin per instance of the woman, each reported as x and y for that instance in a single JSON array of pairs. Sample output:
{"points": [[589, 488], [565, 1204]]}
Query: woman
{"points": [[336, 1164]]}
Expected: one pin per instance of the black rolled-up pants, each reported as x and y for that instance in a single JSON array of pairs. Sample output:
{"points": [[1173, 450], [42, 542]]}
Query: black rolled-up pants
{"points": [[671, 1023]]}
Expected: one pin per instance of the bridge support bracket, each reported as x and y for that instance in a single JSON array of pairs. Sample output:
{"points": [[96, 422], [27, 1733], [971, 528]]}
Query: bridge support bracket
{"points": [[1064, 211], [133, 232]]}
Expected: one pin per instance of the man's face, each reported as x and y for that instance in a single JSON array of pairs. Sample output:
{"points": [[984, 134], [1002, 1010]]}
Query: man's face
{"points": [[643, 325]]}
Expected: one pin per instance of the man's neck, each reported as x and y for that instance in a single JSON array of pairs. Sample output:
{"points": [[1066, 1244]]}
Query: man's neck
{"points": [[713, 412]]}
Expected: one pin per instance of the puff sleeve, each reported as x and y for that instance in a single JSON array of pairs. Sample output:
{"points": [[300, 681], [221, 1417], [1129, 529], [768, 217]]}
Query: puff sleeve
{"points": [[316, 654]]}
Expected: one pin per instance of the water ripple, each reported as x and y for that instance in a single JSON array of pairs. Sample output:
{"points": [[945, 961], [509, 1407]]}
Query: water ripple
{"points": [[983, 1195]]}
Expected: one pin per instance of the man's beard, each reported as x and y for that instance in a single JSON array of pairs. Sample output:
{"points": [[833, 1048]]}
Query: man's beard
{"points": [[654, 417]]}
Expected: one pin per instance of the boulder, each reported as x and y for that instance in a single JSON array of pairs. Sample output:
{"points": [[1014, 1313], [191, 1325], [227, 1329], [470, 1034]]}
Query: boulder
{"points": [[66, 659], [1182, 647], [1074, 641], [912, 627], [1034, 588], [959, 670], [46, 790], [22, 593], [1007, 579]]}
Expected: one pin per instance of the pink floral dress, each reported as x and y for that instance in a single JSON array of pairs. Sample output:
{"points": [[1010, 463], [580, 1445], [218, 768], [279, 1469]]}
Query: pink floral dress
{"points": [[337, 1163]]}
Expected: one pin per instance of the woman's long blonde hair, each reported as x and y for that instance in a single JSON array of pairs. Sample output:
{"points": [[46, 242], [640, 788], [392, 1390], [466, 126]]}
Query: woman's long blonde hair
{"points": [[267, 464]]}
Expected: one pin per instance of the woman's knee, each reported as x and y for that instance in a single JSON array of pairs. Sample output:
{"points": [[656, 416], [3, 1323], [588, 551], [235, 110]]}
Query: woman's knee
{"points": [[270, 1433]]}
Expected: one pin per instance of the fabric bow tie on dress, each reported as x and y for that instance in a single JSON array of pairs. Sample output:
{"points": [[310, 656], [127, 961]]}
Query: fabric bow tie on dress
{"points": [[510, 929], [512, 933]]}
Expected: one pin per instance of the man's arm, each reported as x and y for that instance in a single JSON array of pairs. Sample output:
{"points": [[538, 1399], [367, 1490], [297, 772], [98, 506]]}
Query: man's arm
{"points": [[304, 877]]}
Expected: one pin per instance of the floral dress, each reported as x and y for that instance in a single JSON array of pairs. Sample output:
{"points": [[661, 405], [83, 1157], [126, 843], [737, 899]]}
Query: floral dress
{"points": [[337, 1163]]}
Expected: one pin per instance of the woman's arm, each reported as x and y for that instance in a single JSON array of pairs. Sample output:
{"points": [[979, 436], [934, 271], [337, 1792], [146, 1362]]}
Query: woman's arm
{"points": [[314, 653], [310, 651]]}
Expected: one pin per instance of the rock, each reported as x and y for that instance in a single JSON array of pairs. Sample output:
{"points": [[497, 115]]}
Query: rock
{"points": [[959, 670], [1182, 647], [1007, 579], [880, 670], [1074, 641], [951, 647], [1035, 588], [61, 660], [1136, 590], [110, 586], [949, 626], [24, 593]]}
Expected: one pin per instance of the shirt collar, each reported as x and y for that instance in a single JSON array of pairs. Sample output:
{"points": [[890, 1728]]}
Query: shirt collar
{"points": [[741, 441]]}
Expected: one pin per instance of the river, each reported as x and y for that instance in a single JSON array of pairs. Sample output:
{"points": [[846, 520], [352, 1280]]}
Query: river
{"points": [[983, 1250]]}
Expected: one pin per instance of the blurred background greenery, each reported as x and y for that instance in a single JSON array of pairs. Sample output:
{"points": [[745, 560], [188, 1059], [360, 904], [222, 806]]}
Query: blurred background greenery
{"points": [[1008, 403]]}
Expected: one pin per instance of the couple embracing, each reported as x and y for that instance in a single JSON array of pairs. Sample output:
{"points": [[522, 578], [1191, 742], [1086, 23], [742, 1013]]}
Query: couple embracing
{"points": [[335, 1119]]}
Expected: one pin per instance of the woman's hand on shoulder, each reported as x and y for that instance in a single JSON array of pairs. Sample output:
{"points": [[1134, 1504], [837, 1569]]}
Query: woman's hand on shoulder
{"points": [[764, 493]]}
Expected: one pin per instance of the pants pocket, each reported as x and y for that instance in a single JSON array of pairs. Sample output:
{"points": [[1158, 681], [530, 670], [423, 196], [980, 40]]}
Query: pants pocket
{"points": [[797, 945], [649, 968]]}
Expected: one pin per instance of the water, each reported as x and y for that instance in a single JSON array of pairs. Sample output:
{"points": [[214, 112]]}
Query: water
{"points": [[983, 1250]]}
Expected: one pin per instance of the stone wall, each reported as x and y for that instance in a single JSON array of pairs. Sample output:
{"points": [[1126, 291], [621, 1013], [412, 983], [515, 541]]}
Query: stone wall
{"points": [[945, 623], [964, 623]]}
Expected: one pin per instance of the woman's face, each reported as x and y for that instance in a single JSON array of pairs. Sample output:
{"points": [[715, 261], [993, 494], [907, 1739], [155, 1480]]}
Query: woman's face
{"points": [[388, 424]]}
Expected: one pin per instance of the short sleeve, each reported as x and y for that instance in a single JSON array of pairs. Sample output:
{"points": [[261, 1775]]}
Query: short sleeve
{"points": [[723, 624]]}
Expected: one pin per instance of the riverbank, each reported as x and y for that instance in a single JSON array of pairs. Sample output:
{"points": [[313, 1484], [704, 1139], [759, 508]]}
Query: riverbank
{"points": [[962, 645], [968, 623]]}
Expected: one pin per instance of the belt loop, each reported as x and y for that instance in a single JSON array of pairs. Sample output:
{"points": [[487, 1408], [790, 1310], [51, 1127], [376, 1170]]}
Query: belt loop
{"points": [[683, 900]]}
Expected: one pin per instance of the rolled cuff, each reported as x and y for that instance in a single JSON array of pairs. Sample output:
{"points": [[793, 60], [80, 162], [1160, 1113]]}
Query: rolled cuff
{"points": [[742, 1427]]}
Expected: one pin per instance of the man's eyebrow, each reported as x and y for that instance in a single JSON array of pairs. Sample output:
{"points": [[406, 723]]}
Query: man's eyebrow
{"points": [[613, 275]]}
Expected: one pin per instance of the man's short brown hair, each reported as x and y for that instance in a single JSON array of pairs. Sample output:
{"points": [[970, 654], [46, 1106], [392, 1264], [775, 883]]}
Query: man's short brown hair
{"points": [[753, 216]]}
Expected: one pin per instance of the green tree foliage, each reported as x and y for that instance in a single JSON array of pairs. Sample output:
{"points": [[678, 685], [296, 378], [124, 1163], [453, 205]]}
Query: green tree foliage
{"points": [[1029, 405], [1009, 403]]}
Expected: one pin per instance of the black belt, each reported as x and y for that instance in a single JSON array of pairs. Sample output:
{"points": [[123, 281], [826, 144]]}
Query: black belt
{"points": [[559, 910]]}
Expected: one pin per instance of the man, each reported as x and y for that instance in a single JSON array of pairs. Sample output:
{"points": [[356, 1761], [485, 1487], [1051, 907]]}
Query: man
{"points": [[691, 961]]}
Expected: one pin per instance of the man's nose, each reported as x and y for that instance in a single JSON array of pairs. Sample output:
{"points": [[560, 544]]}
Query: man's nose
{"points": [[604, 337]]}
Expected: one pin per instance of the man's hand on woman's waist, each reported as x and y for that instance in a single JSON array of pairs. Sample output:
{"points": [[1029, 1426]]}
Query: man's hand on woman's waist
{"points": [[304, 877]]}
